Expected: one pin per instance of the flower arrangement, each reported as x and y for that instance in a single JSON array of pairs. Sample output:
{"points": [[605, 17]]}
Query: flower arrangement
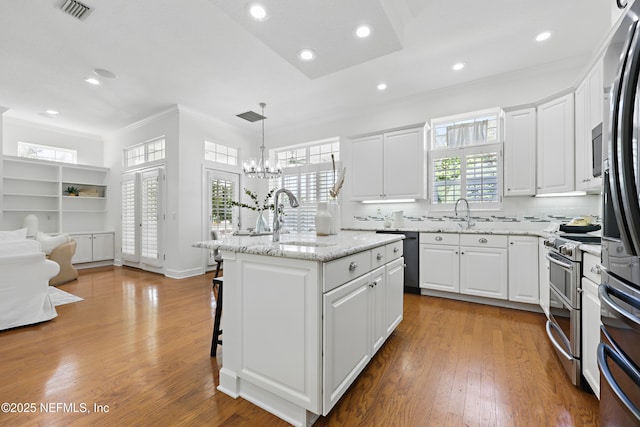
{"points": [[256, 204]]}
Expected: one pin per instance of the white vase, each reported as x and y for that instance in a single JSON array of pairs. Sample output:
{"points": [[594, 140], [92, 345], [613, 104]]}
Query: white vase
{"points": [[323, 220], [334, 209], [262, 226]]}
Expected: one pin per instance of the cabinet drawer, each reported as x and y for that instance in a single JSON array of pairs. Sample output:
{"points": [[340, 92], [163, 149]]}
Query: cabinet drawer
{"points": [[344, 269], [378, 256], [394, 250], [482, 240], [591, 267], [440, 238]]}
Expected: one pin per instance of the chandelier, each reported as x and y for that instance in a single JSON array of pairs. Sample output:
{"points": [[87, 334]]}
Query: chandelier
{"points": [[260, 167]]}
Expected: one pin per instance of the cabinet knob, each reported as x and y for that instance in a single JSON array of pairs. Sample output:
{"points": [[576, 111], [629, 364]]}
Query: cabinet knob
{"points": [[438, 238], [508, 189], [371, 285], [482, 240], [461, 253], [396, 250], [511, 243], [379, 256], [353, 265], [596, 269]]}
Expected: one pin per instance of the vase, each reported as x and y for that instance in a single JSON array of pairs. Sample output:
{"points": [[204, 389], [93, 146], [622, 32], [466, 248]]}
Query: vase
{"points": [[323, 220], [262, 226], [334, 209]]}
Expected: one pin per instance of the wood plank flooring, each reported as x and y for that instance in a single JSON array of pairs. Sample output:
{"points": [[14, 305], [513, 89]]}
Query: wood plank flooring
{"points": [[139, 343]]}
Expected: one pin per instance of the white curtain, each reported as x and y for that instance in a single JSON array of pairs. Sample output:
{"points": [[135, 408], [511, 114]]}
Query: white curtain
{"points": [[467, 133]]}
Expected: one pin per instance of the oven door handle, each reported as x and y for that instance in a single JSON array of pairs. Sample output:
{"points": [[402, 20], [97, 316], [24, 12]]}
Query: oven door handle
{"points": [[605, 350], [555, 343], [605, 291], [558, 262]]}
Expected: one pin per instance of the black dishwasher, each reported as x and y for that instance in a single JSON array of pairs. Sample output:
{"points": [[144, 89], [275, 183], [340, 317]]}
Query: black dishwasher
{"points": [[411, 250]]}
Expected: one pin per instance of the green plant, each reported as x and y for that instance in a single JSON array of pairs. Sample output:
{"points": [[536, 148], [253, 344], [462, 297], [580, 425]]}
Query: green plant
{"points": [[73, 190], [257, 205]]}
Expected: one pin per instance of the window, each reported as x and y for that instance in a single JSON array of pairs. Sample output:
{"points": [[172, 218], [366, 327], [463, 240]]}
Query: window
{"points": [[45, 152], [466, 161], [308, 173], [149, 151], [220, 153], [223, 190]]}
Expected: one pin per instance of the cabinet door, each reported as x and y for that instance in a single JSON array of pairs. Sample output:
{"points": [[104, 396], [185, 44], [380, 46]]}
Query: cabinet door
{"points": [[347, 345], [403, 164], [523, 269], [483, 272], [84, 248], [103, 246], [395, 294], [590, 334], [377, 296], [555, 146], [583, 138], [366, 163], [439, 267], [519, 152], [596, 105], [543, 276]]}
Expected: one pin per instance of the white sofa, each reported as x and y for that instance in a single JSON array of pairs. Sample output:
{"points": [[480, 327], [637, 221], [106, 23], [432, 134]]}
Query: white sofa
{"points": [[24, 284]]}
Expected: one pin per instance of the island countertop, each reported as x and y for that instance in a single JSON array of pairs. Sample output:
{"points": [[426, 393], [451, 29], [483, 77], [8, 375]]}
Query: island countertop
{"points": [[305, 246]]}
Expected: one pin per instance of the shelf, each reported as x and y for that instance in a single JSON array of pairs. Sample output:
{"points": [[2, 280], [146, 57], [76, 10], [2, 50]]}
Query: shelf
{"points": [[31, 195], [84, 197], [84, 211], [31, 210], [17, 178]]}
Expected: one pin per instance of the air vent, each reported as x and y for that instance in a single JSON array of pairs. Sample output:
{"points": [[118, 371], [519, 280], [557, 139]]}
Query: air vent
{"points": [[76, 9], [251, 116]]}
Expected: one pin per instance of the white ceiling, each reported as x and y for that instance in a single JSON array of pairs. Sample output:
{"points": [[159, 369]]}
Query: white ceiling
{"points": [[207, 55]]}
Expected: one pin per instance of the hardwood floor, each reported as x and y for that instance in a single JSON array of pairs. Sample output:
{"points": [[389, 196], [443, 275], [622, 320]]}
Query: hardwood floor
{"points": [[139, 343]]}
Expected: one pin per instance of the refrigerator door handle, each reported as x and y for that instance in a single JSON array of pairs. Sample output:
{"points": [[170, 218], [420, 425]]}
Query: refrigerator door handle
{"points": [[618, 102], [605, 291], [605, 351], [625, 147]]}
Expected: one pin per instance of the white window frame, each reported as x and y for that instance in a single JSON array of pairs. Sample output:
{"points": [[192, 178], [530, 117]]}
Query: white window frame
{"points": [[59, 152], [148, 155], [220, 153], [436, 153]]}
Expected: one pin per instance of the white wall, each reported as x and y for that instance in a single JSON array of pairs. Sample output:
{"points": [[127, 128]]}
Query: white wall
{"points": [[90, 148]]}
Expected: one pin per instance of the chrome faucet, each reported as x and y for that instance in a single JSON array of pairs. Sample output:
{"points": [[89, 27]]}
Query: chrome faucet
{"points": [[455, 210], [279, 211]]}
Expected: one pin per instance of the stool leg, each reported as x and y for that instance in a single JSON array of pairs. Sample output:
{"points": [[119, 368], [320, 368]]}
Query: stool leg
{"points": [[219, 264], [216, 324]]}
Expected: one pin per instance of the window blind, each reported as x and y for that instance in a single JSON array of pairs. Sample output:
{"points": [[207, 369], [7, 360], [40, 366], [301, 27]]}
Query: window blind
{"points": [[128, 216]]}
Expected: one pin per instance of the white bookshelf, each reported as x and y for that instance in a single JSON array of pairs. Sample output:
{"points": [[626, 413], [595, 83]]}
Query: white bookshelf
{"points": [[38, 187]]}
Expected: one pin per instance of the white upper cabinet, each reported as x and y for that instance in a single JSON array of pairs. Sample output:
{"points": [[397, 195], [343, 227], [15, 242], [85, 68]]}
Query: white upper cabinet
{"points": [[556, 146], [388, 166], [520, 152], [589, 98]]}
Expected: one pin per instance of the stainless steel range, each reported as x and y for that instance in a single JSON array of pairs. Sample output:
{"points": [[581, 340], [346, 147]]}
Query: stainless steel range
{"points": [[565, 301]]}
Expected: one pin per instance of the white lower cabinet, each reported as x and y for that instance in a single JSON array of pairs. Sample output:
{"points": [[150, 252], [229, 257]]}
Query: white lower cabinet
{"points": [[523, 269], [394, 290], [440, 267], [483, 272], [591, 321], [93, 247]]}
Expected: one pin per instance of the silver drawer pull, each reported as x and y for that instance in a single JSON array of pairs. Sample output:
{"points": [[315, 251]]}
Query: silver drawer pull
{"points": [[353, 265], [396, 250], [379, 256], [483, 240], [596, 269], [438, 238]]}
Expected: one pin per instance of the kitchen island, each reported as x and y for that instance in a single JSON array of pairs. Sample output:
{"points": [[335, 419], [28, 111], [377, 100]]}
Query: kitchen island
{"points": [[302, 317]]}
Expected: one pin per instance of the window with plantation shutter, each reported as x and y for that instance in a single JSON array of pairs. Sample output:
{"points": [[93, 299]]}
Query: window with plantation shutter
{"points": [[308, 173], [128, 210], [150, 215], [466, 161]]}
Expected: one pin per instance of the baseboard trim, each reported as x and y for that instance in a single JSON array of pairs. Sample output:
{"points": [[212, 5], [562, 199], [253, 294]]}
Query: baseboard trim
{"points": [[183, 274]]}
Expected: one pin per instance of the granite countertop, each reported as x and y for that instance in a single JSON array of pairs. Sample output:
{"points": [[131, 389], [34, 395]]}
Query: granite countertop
{"points": [[306, 246], [591, 249], [509, 232]]}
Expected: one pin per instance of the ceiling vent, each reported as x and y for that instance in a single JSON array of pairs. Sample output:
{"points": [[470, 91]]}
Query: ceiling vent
{"points": [[76, 9], [251, 116]]}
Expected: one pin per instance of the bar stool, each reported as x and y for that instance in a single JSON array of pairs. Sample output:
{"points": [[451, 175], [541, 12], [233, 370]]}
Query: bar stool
{"points": [[215, 339]]}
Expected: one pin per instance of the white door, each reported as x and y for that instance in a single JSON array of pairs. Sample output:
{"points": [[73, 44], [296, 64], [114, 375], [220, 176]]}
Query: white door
{"points": [[439, 268], [143, 218], [103, 246], [366, 163], [520, 152], [395, 294], [523, 269], [403, 164], [221, 189], [483, 272]]}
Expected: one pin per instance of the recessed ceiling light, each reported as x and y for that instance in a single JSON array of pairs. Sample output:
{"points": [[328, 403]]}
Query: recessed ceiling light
{"points": [[382, 86], [52, 112], [459, 66], [363, 31], [105, 73], [92, 81], [543, 36], [257, 12], [306, 54]]}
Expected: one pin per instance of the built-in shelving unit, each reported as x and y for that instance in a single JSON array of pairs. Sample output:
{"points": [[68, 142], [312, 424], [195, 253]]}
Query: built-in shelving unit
{"points": [[39, 187]]}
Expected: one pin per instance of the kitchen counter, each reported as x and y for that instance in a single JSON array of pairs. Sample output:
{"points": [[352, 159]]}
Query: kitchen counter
{"points": [[304, 246], [591, 249], [504, 231]]}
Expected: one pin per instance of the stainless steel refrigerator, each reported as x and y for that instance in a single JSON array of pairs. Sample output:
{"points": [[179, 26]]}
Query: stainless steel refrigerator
{"points": [[619, 350]]}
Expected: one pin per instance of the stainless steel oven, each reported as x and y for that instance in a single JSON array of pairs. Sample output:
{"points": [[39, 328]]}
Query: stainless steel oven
{"points": [[565, 301]]}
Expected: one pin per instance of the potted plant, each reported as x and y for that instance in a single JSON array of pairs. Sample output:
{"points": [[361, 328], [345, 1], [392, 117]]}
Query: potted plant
{"points": [[258, 206], [73, 191]]}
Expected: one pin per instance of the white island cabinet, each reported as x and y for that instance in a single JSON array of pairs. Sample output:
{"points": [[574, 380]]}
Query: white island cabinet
{"points": [[302, 318]]}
